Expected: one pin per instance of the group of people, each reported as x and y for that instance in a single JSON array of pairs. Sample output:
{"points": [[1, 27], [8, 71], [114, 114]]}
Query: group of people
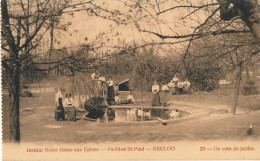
{"points": [[158, 100], [99, 87], [64, 104], [178, 87], [174, 87], [103, 88], [129, 99], [107, 90]]}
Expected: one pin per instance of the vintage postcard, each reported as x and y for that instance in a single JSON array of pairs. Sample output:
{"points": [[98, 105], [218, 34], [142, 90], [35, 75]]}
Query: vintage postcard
{"points": [[130, 79]]}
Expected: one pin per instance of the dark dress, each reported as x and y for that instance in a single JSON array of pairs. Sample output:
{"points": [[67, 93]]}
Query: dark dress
{"points": [[60, 113], [100, 89], [110, 94], [94, 89], [105, 92], [71, 113], [163, 98], [176, 87], [156, 99]]}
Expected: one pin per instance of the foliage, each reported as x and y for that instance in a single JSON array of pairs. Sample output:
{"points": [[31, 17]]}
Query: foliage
{"points": [[142, 66], [79, 84], [32, 75], [26, 93], [249, 88], [206, 79], [24, 24], [210, 58], [95, 106]]}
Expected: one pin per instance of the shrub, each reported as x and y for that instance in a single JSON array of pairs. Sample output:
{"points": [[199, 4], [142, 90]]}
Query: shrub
{"points": [[249, 88], [96, 107], [26, 93], [205, 79], [250, 103], [25, 87]]}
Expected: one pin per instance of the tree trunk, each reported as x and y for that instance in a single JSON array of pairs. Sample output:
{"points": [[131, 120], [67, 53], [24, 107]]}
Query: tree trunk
{"points": [[236, 92], [51, 35], [248, 10], [14, 132], [254, 25]]}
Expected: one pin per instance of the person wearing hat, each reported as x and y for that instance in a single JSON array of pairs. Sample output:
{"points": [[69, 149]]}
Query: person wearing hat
{"points": [[70, 108], [59, 112]]}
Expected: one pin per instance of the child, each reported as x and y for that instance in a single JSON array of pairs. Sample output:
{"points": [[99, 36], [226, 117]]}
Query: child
{"points": [[130, 98], [117, 98]]}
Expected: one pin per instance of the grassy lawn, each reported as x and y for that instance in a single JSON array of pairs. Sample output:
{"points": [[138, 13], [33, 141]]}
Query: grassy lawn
{"points": [[38, 124]]}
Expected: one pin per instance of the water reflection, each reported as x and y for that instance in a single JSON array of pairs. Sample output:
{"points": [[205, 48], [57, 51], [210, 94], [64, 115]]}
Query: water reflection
{"points": [[146, 114]]}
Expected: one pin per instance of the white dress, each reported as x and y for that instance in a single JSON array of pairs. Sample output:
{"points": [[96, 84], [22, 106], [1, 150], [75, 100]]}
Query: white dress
{"points": [[68, 102]]}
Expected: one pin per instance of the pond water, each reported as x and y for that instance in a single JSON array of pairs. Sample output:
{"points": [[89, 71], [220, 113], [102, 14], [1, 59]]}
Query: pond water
{"points": [[147, 114]]}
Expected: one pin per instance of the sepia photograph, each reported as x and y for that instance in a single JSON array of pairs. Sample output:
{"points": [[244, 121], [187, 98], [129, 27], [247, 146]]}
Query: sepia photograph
{"points": [[130, 79]]}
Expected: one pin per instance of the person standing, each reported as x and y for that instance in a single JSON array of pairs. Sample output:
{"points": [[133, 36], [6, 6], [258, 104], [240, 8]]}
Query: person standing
{"points": [[101, 82], [59, 106], [93, 83], [175, 81], [105, 91], [116, 88], [155, 96], [110, 91], [93, 75], [101, 79], [164, 91]]}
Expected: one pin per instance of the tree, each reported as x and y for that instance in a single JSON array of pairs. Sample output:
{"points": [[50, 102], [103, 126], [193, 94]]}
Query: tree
{"points": [[197, 20], [55, 23], [228, 53], [22, 29], [25, 22], [203, 14], [247, 10]]}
